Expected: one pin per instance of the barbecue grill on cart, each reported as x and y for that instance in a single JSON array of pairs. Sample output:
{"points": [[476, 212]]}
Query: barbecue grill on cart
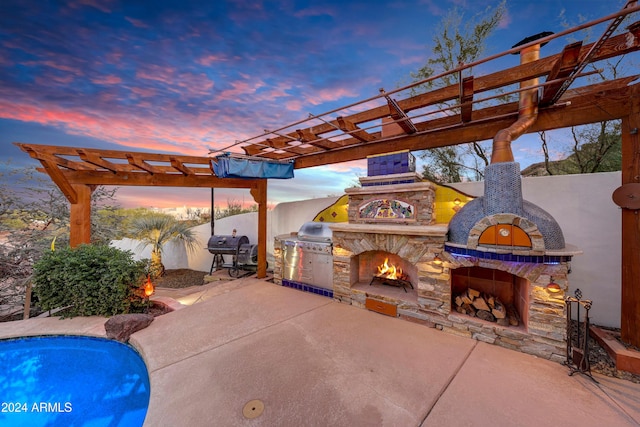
{"points": [[220, 245], [247, 260]]}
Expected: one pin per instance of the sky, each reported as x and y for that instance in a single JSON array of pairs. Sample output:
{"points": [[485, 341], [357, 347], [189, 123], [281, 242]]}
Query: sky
{"points": [[188, 76]]}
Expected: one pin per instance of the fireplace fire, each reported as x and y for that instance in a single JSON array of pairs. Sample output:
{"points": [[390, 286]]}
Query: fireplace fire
{"points": [[391, 275]]}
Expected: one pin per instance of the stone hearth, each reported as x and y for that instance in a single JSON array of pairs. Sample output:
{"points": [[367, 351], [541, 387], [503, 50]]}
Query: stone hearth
{"points": [[542, 331]]}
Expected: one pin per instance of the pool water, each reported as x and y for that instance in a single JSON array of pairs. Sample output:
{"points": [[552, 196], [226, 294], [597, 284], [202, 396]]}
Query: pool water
{"points": [[71, 381]]}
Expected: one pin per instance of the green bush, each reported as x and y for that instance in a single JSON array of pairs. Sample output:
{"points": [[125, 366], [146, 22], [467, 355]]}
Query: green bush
{"points": [[92, 279]]}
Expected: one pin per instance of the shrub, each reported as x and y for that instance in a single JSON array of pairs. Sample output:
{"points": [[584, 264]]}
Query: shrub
{"points": [[92, 279]]}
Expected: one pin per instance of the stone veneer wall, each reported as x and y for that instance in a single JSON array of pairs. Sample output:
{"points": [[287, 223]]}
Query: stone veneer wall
{"points": [[545, 334], [277, 255]]}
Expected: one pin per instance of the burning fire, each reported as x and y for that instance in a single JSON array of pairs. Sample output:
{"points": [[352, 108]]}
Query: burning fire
{"points": [[389, 271]]}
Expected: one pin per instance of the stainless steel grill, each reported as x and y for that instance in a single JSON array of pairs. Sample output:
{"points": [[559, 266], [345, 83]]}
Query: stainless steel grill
{"points": [[308, 258]]}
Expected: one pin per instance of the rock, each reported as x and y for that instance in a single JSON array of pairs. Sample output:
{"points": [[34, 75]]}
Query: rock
{"points": [[121, 326]]}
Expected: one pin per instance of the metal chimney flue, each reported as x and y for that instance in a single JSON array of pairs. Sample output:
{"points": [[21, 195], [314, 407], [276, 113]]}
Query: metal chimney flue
{"points": [[528, 104]]}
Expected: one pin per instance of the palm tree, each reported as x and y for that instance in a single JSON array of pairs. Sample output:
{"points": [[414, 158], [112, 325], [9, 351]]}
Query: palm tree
{"points": [[156, 229]]}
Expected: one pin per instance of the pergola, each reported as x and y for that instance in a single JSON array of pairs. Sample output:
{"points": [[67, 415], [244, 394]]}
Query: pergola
{"points": [[421, 123]]}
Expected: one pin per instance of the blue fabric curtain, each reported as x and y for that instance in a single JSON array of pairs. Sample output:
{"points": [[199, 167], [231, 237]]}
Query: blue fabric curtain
{"points": [[231, 167]]}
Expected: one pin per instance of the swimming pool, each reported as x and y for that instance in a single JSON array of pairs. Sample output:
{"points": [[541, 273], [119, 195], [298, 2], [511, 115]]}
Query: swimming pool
{"points": [[71, 381]]}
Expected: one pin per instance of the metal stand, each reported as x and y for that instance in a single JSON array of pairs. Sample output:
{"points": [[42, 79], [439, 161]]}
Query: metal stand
{"points": [[217, 262], [578, 340]]}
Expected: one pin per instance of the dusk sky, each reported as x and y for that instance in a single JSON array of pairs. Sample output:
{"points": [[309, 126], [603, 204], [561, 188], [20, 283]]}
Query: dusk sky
{"points": [[188, 76]]}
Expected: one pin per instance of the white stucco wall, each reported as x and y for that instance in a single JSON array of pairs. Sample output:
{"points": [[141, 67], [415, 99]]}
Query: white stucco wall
{"points": [[174, 253], [589, 219], [285, 218]]}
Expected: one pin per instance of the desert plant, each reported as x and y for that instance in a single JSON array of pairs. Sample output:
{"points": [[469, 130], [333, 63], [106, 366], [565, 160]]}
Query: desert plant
{"points": [[158, 229], [90, 280]]}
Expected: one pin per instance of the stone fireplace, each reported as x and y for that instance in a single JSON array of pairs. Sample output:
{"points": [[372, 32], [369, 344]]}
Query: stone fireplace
{"points": [[392, 218]]}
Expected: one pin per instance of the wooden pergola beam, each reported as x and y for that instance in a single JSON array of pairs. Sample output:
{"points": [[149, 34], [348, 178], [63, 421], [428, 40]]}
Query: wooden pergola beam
{"points": [[606, 101], [259, 194], [563, 68], [178, 165], [466, 99], [156, 180], [350, 128], [80, 216], [400, 117], [93, 159], [630, 263], [51, 168], [140, 163]]}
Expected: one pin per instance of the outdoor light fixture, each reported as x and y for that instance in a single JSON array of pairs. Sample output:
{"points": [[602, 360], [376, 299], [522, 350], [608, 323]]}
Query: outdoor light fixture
{"points": [[148, 288], [437, 260], [553, 287], [457, 204]]}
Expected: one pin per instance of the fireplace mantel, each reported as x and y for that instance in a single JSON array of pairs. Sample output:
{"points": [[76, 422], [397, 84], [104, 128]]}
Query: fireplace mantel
{"points": [[438, 230]]}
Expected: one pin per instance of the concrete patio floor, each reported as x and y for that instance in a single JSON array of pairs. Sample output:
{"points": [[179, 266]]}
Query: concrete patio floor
{"points": [[304, 360]]}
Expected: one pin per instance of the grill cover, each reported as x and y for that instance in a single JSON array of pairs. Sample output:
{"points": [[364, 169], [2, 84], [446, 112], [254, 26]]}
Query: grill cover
{"points": [[315, 232], [231, 167], [226, 244]]}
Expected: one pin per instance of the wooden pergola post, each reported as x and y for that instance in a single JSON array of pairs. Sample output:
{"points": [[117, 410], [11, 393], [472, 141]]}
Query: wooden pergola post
{"points": [[80, 212], [259, 193], [630, 313]]}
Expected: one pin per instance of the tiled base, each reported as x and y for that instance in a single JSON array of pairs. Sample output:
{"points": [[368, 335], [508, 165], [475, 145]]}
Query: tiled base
{"points": [[626, 360], [307, 288]]}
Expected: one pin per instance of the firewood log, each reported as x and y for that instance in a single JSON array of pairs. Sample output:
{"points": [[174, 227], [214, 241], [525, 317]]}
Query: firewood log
{"points": [[481, 304], [512, 316], [473, 293], [465, 298], [491, 301], [485, 315], [498, 310]]}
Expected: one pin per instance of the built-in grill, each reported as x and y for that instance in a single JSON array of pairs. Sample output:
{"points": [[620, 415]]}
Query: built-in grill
{"points": [[220, 245], [307, 259]]}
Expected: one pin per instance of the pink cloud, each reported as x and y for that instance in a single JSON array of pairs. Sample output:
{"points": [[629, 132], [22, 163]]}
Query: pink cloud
{"points": [[315, 11], [330, 94], [101, 5], [207, 60], [119, 128], [349, 167], [505, 21], [157, 73], [293, 105], [194, 84], [49, 79], [433, 7], [157, 197], [136, 22], [107, 80], [239, 88], [57, 66], [144, 92]]}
